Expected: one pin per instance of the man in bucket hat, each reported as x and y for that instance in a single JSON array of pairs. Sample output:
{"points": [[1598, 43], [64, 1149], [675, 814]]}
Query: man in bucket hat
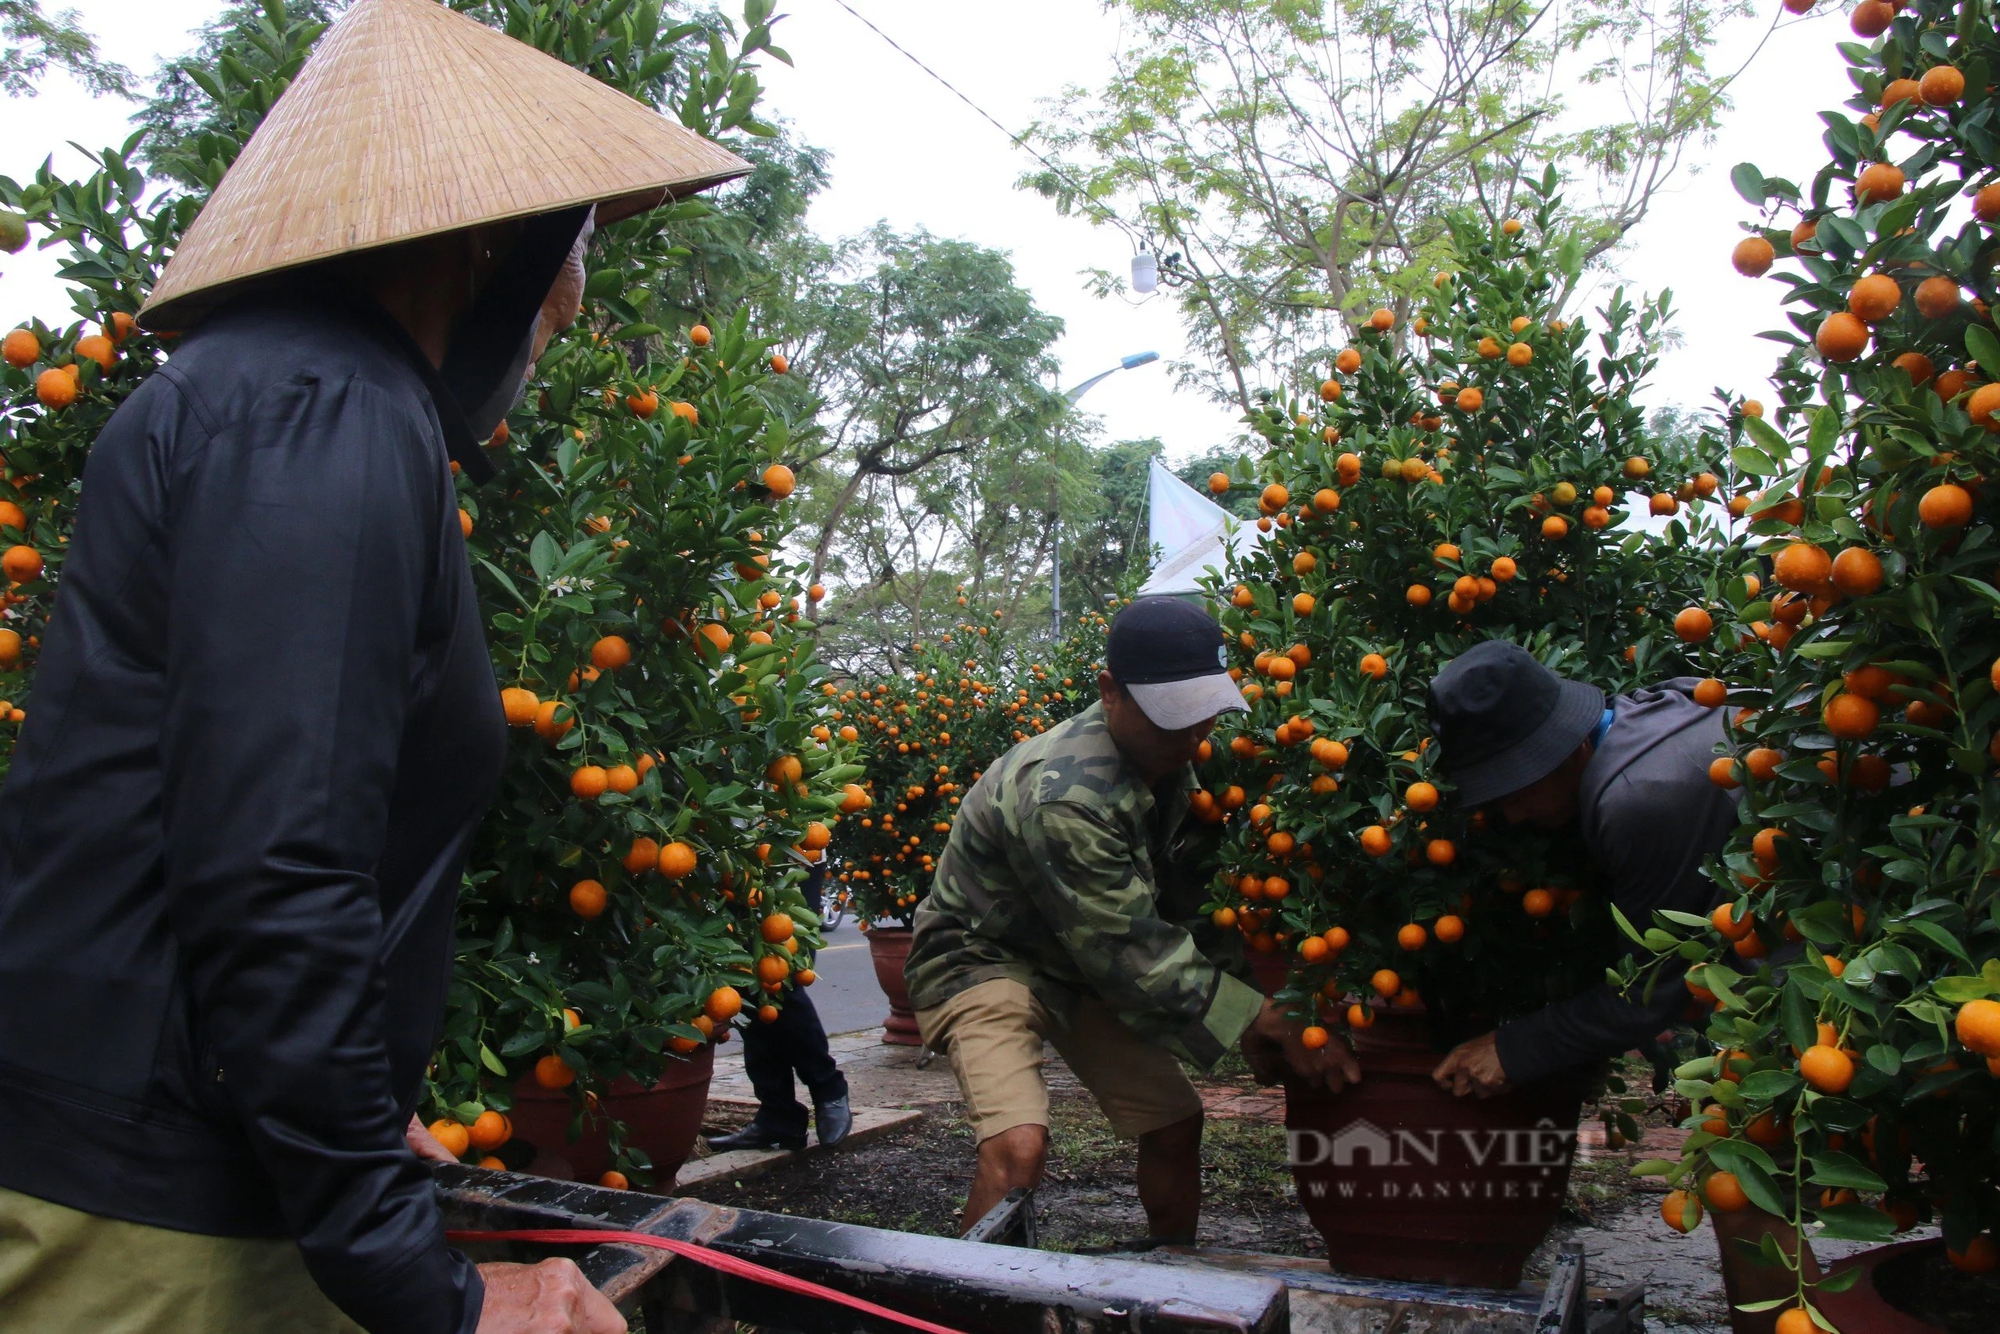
{"points": [[266, 723], [1056, 914], [1630, 775]]}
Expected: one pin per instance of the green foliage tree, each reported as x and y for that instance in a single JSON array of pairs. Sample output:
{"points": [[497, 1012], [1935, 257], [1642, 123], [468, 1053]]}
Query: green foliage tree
{"points": [[944, 454], [1294, 162], [36, 43], [1104, 536], [1868, 731]]}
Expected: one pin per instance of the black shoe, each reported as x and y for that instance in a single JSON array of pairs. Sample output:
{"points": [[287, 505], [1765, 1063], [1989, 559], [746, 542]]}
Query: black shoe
{"points": [[757, 1135], [832, 1121]]}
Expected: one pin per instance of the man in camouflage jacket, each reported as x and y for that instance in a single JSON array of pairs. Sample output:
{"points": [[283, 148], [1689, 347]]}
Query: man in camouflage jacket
{"points": [[1055, 914]]}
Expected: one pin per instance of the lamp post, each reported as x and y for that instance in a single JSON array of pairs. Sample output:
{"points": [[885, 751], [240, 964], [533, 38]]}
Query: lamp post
{"points": [[1136, 360]]}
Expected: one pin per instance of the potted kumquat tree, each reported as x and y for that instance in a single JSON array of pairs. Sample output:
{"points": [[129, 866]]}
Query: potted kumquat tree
{"points": [[1854, 976], [1453, 480]]}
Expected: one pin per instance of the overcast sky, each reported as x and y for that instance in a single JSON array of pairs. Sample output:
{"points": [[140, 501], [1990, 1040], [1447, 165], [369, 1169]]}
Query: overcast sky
{"points": [[905, 150]]}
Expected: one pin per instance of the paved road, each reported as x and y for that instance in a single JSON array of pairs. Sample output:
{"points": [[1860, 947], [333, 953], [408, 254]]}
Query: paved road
{"points": [[845, 992]]}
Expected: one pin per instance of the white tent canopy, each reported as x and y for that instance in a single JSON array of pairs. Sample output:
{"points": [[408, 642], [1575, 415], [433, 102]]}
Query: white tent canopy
{"points": [[1192, 533]]}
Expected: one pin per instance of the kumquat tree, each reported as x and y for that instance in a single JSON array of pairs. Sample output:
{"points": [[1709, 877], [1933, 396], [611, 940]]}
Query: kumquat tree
{"points": [[926, 734], [1452, 480], [636, 886], [1855, 974]]}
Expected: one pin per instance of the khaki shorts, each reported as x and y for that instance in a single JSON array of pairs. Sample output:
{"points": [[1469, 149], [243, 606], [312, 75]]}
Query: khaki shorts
{"points": [[65, 1272], [994, 1031]]}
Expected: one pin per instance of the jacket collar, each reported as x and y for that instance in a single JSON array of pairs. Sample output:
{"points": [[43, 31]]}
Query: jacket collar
{"points": [[1179, 786], [458, 441]]}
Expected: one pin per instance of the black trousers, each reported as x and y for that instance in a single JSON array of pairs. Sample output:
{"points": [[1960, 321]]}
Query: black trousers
{"points": [[794, 1041]]}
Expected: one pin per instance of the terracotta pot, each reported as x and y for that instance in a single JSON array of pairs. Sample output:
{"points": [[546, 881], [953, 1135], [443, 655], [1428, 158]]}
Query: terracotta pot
{"points": [[1886, 1272], [1405, 1181], [889, 947], [661, 1122]]}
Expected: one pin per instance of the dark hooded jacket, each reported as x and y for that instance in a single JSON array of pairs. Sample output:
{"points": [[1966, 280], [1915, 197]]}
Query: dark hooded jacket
{"points": [[263, 729]]}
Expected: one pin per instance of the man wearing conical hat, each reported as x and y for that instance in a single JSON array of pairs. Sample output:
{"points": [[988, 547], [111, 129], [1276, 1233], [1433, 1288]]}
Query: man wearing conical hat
{"points": [[266, 722]]}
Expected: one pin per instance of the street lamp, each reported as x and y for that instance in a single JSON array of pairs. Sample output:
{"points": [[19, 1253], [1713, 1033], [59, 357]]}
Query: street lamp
{"points": [[1136, 360], [1133, 362]]}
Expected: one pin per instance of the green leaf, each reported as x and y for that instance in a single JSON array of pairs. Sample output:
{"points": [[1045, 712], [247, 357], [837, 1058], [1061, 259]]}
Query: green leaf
{"points": [[1855, 1222], [505, 582], [1898, 215], [1759, 1186], [1941, 938], [1985, 590], [1769, 1085], [1824, 435], [1767, 438], [1653, 1167], [1749, 183], [1739, 1156], [1842, 1170], [1959, 990], [492, 1062], [1801, 1021], [1983, 347], [543, 553], [1750, 459]]}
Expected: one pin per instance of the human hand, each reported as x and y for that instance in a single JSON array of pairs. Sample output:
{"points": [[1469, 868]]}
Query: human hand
{"points": [[552, 1297], [1272, 1044], [1472, 1067], [425, 1145]]}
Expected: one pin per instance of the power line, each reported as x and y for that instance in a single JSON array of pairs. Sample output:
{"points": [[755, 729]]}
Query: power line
{"points": [[1019, 141]]}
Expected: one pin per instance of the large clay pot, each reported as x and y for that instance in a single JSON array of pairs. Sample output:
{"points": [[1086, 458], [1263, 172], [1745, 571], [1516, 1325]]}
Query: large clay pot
{"points": [[1407, 1182], [890, 947], [1886, 1273], [661, 1122]]}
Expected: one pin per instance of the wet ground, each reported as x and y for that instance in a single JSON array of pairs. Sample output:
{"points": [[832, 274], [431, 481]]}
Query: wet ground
{"points": [[915, 1181]]}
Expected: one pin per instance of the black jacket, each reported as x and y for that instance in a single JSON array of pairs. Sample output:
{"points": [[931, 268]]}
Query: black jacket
{"points": [[263, 728], [1650, 818]]}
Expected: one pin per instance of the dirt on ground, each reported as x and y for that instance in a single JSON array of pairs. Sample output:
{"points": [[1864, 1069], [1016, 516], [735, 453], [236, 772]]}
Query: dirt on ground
{"points": [[915, 1181]]}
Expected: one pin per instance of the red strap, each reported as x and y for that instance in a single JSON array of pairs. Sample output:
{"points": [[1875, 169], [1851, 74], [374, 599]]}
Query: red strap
{"points": [[714, 1259]]}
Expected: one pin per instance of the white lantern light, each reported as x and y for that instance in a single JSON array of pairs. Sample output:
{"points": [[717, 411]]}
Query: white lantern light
{"points": [[1145, 272]]}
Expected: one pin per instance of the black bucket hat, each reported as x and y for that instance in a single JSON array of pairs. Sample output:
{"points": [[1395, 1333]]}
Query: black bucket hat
{"points": [[1504, 721]]}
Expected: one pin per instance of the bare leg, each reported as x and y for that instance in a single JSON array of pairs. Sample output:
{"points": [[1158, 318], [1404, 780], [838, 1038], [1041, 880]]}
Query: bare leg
{"points": [[1170, 1178], [1014, 1157], [1745, 1280]]}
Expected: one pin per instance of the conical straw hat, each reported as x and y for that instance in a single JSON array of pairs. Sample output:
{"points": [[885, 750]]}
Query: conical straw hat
{"points": [[409, 120]]}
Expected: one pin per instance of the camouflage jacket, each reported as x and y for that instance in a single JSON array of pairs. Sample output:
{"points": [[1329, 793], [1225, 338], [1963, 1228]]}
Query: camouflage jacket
{"points": [[1065, 873]]}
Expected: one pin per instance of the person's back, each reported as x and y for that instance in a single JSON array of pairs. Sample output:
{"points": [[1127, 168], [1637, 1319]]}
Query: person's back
{"points": [[285, 457]]}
